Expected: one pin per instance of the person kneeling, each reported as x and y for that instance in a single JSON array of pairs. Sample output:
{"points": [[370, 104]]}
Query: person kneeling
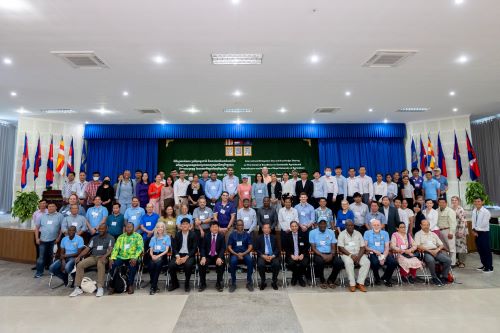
{"points": [[158, 248], [127, 251], [268, 254], [183, 252], [71, 247], [212, 253], [352, 248]]}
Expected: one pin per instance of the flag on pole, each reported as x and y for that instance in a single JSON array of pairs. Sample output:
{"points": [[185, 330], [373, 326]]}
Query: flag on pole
{"points": [[473, 165], [83, 162], [38, 160], [456, 157], [422, 156], [414, 157], [430, 159], [60, 158], [441, 158], [71, 159], [25, 164], [49, 176]]}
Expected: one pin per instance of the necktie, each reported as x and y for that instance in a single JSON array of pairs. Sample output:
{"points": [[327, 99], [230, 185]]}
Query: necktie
{"points": [[212, 246], [295, 245], [268, 246]]}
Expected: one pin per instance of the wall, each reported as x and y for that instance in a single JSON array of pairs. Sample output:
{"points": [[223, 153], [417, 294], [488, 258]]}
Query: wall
{"points": [[444, 126], [35, 127]]}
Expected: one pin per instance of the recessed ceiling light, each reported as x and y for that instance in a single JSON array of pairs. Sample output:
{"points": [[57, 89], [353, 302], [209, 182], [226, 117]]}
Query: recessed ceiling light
{"points": [[102, 111], [87, 122], [348, 93], [282, 110], [162, 122], [7, 61], [455, 109], [235, 2], [462, 59], [13, 93], [125, 93], [159, 59], [413, 109], [370, 110], [15, 5], [238, 121], [192, 110], [386, 120], [22, 110], [452, 93], [236, 59], [313, 121], [314, 58], [237, 93], [459, 2]]}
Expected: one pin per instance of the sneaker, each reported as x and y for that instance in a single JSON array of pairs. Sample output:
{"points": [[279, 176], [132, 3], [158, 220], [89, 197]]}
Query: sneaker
{"points": [[100, 292], [232, 288], [480, 268], [250, 286], [488, 270], [152, 291], [437, 282], [76, 292], [411, 280], [37, 276]]}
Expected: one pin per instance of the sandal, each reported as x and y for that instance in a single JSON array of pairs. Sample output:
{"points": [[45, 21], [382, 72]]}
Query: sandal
{"points": [[331, 285], [323, 285]]}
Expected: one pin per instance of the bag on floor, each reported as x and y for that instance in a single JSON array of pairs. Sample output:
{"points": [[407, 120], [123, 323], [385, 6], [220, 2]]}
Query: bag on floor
{"points": [[88, 285], [119, 280]]}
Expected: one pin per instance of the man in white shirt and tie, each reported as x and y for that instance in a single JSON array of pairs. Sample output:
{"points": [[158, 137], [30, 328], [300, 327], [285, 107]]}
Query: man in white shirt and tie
{"points": [[352, 185], [481, 231], [365, 185]]}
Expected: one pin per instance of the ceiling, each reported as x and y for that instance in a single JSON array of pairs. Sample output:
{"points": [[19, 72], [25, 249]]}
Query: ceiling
{"points": [[128, 34]]}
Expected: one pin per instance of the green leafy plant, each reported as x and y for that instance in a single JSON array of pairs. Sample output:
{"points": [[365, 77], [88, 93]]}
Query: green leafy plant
{"points": [[474, 190], [25, 205]]}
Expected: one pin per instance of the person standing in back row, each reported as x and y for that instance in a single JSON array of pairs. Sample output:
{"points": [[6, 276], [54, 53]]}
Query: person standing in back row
{"points": [[481, 232], [304, 185]]}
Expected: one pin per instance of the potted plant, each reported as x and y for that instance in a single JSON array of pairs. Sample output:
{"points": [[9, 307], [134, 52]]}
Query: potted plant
{"points": [[25, 205], [476, 190]]}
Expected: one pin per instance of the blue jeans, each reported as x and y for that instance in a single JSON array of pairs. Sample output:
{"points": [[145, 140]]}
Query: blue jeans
{"points": [[55, 268], [132, 270], [233, 263], [46, 250]]}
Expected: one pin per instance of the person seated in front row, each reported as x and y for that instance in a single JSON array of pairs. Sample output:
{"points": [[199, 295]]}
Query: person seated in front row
{"points": [[240, 246], [403, 246], [377, 247], [100, 248], [127, 251], [352, 252], [268, 254], [430, 245], [183, 252], [324, 245], [212, 253], [71, 246], [159, 245], [296, 247]]}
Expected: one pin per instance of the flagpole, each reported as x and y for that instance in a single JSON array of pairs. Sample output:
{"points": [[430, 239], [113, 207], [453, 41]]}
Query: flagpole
{"points": [[458, 183]]}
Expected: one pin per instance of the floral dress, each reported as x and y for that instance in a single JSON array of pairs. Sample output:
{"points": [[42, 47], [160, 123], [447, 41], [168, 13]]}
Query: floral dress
{"points": [[403, 243], [462, 231]]}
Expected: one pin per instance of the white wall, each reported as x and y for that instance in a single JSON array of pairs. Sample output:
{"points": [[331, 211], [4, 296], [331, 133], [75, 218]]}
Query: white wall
{"points": [[34, 127], [445, 126]]}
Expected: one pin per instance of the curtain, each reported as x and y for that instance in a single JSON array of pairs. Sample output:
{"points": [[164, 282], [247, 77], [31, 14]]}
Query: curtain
{"points": [[7, 153], [377, 155], [112, 157], [486, 143]]}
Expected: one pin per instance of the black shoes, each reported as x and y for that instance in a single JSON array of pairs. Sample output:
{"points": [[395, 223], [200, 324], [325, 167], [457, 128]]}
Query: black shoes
{"points": [[294, 282], [187, 288], [302, 283], [274, 284], [219, 287], [437, 282], [202, 287], [411, 280], [378, 282], [250, 286], [388, 283], [232, 288], [152, 291], [263, 286], [173, 286]]}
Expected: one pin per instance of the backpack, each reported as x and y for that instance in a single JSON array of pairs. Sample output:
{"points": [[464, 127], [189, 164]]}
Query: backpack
{"points": [[119, 280]]}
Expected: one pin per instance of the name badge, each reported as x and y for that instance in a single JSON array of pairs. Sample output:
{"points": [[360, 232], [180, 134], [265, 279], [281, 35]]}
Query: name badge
{"points": [[202, 217], [127, 246], [95, 214], [68, 213], [403, 247], [301, 244], [357, 214], [377, 243], [212, 187], [351, 243], [170, 222], [239, 243], [158, 247], [266, 216], [49, 222], [148, 224], [322, 243], [259, 191], [230, 185], [133, 218], [223, 211], [195, 191], [245, 193], [302, 213], [74, 224], [113, 223], [99, 247], [245, 218]]}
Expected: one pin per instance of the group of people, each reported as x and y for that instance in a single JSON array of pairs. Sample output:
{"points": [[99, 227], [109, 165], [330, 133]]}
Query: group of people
{"points": [[204, 221]]}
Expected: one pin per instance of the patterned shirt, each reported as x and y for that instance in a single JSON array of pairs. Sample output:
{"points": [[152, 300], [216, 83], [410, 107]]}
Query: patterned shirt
{"points": [[128, 247], [92, 190]]}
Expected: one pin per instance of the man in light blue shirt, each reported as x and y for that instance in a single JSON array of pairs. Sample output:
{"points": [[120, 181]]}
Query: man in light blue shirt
{"points": [[320, 188], [248, 216], [213, 189], [443, 182], [230, 184], [134, 213], [323, 213], [431, 188], [96, 215], [125, 191], [204, 179], [374, 214], [342, 187], [71, 246], [47, 232], [324, 245], [306, 214]]}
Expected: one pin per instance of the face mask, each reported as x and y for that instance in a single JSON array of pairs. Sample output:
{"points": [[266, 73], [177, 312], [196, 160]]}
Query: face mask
{"points": [[328, 173], [96, 178], [190, 179]]}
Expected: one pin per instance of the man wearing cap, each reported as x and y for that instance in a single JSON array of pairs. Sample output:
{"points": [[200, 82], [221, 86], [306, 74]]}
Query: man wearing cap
{"points": [[183, 252], [443, 182]]}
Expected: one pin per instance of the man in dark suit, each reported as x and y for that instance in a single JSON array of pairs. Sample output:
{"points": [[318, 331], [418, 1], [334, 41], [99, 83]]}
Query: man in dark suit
{"points": [[296, 247], [212, 253], [391, 216], [304, 185], [183, 252], [268, 254]]}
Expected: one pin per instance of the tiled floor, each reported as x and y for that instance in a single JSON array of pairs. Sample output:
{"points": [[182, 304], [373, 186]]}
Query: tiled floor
{"points": [[28, 305]]}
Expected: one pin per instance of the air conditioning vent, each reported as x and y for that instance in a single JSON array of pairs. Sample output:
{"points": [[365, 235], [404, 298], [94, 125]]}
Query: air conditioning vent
{"points": [[57, 111], [389, 58], [237, 110], [81, 59], [330, 110], [148, 111], [413, 109]]}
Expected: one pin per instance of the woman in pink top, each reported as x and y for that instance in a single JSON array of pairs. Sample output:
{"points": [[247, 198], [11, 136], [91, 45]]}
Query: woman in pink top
{"points": [[167, 194], [244, 190], [154, 193], [403, 248]]}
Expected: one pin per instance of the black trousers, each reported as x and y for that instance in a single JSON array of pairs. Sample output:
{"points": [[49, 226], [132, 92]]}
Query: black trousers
{"points": [[154, 268], [319, 267], [275, 268], [390, 263], [298, 267], [218, 269], [483, 247], [188, 267], [336, 204]]}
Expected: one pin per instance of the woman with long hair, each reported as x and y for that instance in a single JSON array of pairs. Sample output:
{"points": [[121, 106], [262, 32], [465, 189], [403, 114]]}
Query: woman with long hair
{"points": [[461, 233], [154, 193], [159, 246]]}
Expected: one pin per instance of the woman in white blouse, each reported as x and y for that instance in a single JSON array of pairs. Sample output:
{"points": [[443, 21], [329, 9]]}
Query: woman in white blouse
{"points": [[287, 187], [379, 188], [431, 215]]}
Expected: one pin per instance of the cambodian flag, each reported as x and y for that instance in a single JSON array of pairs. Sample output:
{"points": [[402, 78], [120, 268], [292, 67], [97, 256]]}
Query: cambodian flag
{"points": [[473, 165], [49, 176], [38, 160], [71, 159], [441, 158], [414, 157], [422, 156], [60, 158], [25, 164], [458, 160]]}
